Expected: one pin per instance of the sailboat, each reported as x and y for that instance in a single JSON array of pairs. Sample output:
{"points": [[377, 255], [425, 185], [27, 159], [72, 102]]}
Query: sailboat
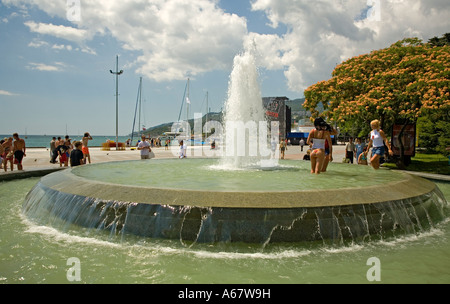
{"points": [[188, 101], [137, 113]]}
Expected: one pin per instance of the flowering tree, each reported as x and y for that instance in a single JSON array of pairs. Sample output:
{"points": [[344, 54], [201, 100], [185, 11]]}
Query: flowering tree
{"points": [[398, 84]]}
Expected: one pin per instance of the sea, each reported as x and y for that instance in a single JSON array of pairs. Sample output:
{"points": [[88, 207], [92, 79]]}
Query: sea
{"points": [[43, 141]]}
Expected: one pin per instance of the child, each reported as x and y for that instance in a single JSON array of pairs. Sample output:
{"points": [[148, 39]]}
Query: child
{"points": [[307, 155], [362, 159], [76, 156], [63, 156]]}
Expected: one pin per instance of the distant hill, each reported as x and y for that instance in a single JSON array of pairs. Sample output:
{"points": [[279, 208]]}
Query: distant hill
{"points": [[296, 106], [166, 127]]}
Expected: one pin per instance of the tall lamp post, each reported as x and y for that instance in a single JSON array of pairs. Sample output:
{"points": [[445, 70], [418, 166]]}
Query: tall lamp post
{"points": [[117, 73]]}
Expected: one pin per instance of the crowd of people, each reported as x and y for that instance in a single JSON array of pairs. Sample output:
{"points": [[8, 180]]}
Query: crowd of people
{"points": [[12, 152], [154, 142], [77, 153], [320, 152]]}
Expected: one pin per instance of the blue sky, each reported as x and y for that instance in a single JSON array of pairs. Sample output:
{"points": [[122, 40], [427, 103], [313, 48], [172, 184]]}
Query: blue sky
{"points": [[55, 66]]}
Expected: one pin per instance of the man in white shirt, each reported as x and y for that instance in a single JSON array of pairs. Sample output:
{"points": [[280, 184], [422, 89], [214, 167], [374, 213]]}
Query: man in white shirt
{"points": [[182, 150], [144, 147]]}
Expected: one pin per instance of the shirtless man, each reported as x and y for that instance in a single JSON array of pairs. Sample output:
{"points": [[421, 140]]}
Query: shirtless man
{"points": [[85, 147], [19, 151]]}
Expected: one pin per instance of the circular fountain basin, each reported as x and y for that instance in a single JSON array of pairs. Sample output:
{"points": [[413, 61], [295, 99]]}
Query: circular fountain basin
{"points": [[198, 200]]}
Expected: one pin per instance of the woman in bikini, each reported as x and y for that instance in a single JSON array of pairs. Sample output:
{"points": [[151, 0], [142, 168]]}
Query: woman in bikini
{"points": [[316, 139]]}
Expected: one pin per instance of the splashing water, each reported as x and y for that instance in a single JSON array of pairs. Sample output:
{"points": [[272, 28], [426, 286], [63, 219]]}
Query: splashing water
{"points": [[244, 120]]}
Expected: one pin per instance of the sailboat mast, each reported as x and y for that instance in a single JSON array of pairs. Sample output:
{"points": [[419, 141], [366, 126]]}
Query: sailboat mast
{"points": [[182, 101], [207, 109], [140, 105], [188, 101]]}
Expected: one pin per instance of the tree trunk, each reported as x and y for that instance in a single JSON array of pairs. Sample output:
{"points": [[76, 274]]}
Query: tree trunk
{"points": [[400, 162]]}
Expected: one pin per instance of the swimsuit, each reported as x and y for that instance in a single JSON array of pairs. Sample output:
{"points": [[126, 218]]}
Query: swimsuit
{"points": [[63, 157], [18, 156], [318, 143], [7, 155], [85, 150]]}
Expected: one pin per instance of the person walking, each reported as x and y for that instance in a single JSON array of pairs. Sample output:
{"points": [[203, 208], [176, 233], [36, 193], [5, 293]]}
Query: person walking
{"points": [[316, 139], [52, 148], [350, 149], [283, 148], [19, 151], [377, 139], [302, 143], [144, 147]]}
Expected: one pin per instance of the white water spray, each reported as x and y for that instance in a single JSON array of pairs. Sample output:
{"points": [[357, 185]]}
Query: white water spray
{"points": [[245, 125]]}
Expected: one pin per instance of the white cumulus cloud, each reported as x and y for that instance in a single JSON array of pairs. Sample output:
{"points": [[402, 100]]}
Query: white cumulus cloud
{"points": [[324, 33], [56, 67], [59, 31], [175, 39]]}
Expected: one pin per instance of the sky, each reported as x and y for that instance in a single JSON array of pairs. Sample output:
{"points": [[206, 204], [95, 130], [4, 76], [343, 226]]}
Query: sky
{"points": [[56, 55]]}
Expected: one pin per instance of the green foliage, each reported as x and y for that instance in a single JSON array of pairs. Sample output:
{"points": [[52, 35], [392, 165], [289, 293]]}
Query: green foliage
{"points": [[444, 40], [399, 84], [434, 133]]}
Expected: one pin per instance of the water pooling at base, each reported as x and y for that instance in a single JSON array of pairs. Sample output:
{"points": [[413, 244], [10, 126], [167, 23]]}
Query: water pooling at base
{"points": [[210, 175], [31, 253]]}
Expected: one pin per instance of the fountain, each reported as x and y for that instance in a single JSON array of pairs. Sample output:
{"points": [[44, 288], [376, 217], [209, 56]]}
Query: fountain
{"points": [[244, 111], [238, 198]]}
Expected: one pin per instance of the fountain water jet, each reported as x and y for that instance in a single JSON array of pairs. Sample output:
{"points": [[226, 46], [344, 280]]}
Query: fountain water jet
{"points": [[245, 125]]}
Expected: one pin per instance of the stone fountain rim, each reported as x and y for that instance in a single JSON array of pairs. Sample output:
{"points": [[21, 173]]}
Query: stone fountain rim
{"points": [[410, 186]]}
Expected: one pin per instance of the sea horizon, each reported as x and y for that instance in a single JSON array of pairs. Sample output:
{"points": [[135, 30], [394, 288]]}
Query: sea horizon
{"points": [[43, 141]]}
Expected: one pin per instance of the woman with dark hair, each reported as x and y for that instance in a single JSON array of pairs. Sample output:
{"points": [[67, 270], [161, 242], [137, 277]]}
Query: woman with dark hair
{"points": [[316, 140]]}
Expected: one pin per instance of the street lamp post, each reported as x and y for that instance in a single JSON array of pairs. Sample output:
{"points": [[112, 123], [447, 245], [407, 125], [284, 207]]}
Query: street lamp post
{"points": [[117, 73]]}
